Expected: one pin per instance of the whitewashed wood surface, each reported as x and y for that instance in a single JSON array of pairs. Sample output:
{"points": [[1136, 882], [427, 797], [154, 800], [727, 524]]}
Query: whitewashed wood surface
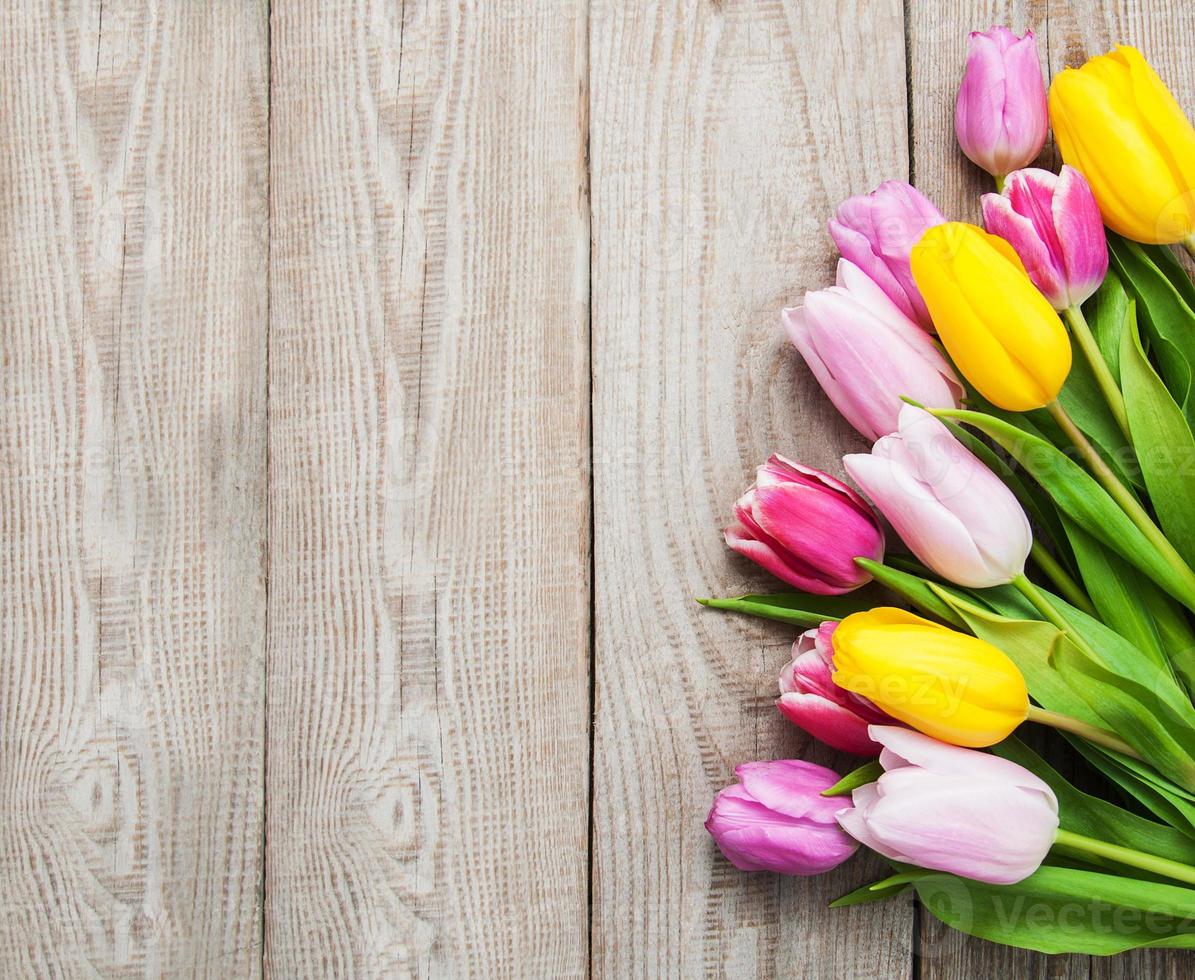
{"points": [[375, 379]]}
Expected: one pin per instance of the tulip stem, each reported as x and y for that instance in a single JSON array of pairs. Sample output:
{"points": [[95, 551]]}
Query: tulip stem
{"points": [[1041, 602], [1081, 331], [1189, 245], [1124, 497], [1071, 591], [1076, 845], [1093, 734]]}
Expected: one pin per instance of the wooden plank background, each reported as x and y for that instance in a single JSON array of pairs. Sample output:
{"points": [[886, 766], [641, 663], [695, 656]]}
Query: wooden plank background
{"points": [[376, 377]]}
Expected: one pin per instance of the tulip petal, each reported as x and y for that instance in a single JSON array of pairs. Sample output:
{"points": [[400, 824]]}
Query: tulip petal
{"points": [[817, 527], [1001, 332], [792, 830], [855, 246], [828, 722], [930, 530], [877, 231], [1133, 176], [1081, 233], [906, 747], [771, 557], [952, 686], [791, 786], [799, 851], [973, 827]]}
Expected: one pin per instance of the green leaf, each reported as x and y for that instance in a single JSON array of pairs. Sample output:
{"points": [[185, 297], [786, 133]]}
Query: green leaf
{"points": [[876, 891], [798, 608], [1126, 601], [1165, 446], [867, 773], [1028, 644], [910, 587], [1142, 714], [1105, 313], [1039, 423], [1065, 910], [1081, 498], [1141, 785], [1169, 321], [1084, 402], [1164, 258], [1085, 814]]}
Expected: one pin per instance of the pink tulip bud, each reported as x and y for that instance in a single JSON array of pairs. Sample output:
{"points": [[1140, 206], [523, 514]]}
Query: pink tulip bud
{"points": [[877, 232], [775, 819], [806, 528], [866, 354], [1054, 224], [952, 809], [811, 700], [952, 511], [1000, 117]]}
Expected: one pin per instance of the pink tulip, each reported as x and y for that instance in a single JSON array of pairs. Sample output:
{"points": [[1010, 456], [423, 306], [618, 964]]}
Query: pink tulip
{"points": [[1000, 117], [877, 232], [1054, 224], [775, 819], [806, 528], [952, 511], [866, 354], [953, 809], [811, 700]]}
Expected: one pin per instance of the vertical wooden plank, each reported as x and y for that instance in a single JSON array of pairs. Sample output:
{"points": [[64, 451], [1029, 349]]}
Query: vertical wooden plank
{"points": [[133, 189], [429, 518], [1068, 33], [723, 136]]}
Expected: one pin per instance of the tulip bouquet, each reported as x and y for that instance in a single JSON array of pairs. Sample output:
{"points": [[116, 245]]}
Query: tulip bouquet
{"points": [[1031, 522]]}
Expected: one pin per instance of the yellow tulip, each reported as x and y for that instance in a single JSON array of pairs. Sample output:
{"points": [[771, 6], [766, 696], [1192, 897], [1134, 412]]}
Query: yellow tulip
{"points": [[1002, 334], [955, 687], [1117, 122]]}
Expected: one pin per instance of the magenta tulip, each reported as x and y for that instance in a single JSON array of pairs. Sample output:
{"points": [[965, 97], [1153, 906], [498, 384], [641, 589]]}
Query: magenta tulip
{"points": [[1000, 117], [866, 354], [775, 819], [811, 700], [952, 511], [877, 232], [806, 528], [1054, 224], [952, 809]]}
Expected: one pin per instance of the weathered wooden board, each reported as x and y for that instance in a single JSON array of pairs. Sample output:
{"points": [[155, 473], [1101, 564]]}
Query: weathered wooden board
{"points": [[1067, 33], [723, 134], [133, 212], [429, 491], [296, 471]]}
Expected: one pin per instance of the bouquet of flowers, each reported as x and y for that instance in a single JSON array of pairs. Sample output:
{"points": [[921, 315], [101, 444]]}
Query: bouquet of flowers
{"points": [[1045, 501]]}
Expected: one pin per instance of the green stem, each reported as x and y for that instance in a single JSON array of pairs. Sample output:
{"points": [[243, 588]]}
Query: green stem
{"points": [[1076, 845], [1189, 245], [1000, 181], [1071, 591], [1065, 723], [1103, 374], [1123, 497], [1043, 605]]}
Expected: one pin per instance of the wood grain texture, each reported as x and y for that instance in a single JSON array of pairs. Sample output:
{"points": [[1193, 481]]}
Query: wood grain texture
{"points": [[429, 501], [133, 185], [723, 134], [1068, 33]]}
